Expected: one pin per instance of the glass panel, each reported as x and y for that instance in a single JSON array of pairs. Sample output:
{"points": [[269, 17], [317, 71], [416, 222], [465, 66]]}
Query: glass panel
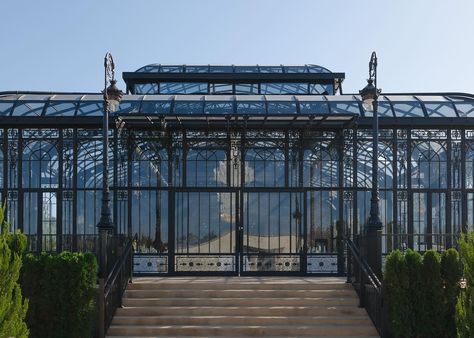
{"points": [[465, 109], [272, 223], [440, 110], [40, 167], [171, 69], [156, 107], [49, 221], [243, 88], [314, 107], [420, 221], [345, 108], [321, 165], [61, 109], [408, 109], [30, 219], [270, 69], [146, 88], [206, 167], [197, 69], [322, 89], [88, 214], [183, 88], [221, 88], [188, 107], [218, 107], [150, 220], [276, 107], [205, 222], [28, 109], [384, 109], [265, 166], [438, 219], [127, 107], [5, 108], [88, 108], [221, 69], [284, 88], [251, 108], [322, 218], [429, 165]]}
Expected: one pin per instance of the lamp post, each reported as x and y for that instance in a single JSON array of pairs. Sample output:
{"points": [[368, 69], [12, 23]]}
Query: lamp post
{"points": [[111, 100], [373, 230]]}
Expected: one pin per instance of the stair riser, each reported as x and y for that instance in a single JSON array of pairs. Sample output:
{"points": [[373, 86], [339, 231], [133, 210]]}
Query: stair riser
{"points": [[137, 302], [239, 311], [243, 320], [237, 286], [239, 294], [244, 331]]}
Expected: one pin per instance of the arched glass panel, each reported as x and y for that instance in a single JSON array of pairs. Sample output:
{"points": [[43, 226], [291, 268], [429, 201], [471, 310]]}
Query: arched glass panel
{"points": [[205, 166], [265, 165], [40, 164], [321, 165], [429, 164]]}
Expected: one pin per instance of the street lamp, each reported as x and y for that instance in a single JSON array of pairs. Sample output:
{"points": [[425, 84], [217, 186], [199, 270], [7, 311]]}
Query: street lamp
{"points": [[112, 98], [369, 96]]}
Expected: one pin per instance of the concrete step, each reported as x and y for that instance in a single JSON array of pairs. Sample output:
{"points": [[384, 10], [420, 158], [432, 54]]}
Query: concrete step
{"points": [[243, 285], [241, 311], [242, 320], [243, 330], [238, 293], [276, 301]]}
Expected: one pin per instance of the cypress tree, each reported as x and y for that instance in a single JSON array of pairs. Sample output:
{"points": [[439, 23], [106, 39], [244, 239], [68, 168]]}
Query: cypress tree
{"points": [[13, 306]]}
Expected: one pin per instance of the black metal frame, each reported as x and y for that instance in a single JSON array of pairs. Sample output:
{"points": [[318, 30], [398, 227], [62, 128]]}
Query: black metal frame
{"points": [[349, 194]]}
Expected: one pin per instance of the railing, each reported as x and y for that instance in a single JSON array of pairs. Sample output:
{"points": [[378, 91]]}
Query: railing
{"points": [[111, 290], [366, 283]]}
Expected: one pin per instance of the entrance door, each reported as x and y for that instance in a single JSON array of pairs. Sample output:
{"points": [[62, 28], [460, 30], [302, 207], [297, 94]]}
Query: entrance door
{"points": [[429, 221], [272, 233], [40, 220], [206, 232]]}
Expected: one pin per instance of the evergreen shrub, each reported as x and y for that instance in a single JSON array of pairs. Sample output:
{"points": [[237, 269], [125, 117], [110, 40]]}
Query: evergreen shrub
{"points": [[451, 273], [62, 292], [421, 293], [13, 306], [465, 301]]}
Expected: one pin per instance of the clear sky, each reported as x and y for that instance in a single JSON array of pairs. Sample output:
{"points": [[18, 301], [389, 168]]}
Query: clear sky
{"points": [[59, 45]]}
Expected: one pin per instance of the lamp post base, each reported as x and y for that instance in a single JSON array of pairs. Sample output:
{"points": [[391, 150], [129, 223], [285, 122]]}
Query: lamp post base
{"points": [[373, 249]]}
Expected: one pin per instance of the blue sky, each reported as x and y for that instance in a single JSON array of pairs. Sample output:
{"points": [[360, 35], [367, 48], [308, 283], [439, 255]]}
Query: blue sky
{"points": [[58, 45]]}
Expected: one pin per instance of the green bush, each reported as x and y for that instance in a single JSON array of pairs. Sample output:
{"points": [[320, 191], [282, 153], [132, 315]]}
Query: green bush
{"points": [[61, 289], [13, 306], [396, 284], [421, 293], [451, 274], [465, 301], [432, 315]]}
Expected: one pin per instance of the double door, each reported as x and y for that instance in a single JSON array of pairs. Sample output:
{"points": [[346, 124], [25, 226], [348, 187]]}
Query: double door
{"points": [[238, 232]]}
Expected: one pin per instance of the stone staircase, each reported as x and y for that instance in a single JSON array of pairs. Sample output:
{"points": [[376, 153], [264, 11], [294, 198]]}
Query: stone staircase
{"points": [[241, 307]]}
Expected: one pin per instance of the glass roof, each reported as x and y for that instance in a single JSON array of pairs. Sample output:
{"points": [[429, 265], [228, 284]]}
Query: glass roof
{"points": [[159, 68], [390, 105]]}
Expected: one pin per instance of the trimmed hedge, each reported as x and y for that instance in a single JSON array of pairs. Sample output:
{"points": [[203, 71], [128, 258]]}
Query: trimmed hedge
{"points": [[13, 306], [465, 301], [62, 293], [422, 292]]}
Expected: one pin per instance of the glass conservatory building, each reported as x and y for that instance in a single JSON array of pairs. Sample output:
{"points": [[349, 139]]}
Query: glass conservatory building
{"points": [[237, 169]]}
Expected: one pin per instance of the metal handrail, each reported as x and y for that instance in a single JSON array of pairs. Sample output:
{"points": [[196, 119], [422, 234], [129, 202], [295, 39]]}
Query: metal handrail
{"points": [[369, 273], [367, 285], [112, 288]]}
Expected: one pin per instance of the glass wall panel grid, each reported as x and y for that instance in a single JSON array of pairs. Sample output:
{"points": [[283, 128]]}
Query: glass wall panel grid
{"points": [[273, 235], [205, 232]]}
